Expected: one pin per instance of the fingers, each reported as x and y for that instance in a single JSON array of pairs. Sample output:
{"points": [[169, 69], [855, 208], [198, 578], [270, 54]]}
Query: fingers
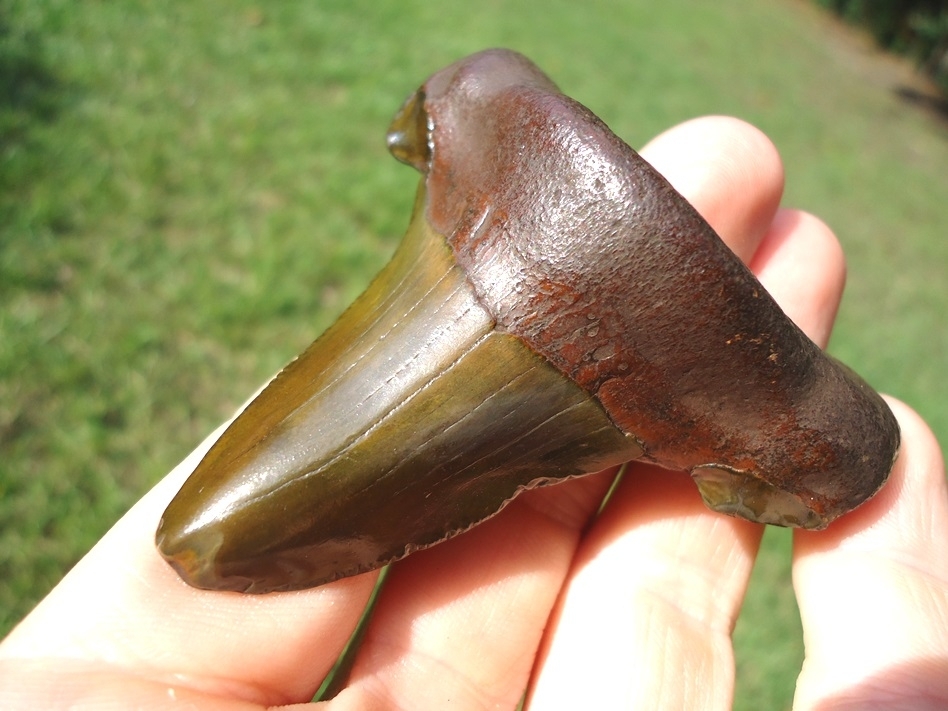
{"points": [[873, 591], [795, 256], [123, 611], [457, 625], [646, 618], [801, 264], [740, 199]]}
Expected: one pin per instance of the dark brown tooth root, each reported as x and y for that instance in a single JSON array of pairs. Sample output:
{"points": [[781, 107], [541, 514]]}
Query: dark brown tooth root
{"points": [[555, 308]]}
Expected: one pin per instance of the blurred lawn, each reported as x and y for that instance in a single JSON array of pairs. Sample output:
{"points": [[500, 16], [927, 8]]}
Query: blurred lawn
{"points": [[190, 192]]}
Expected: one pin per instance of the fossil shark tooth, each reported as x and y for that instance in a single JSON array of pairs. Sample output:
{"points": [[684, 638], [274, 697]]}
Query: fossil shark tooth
{"points": [[555, 308]]}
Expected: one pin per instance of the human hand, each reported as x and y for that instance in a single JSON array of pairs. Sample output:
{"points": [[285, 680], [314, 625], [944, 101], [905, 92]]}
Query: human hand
{"points": [[633, 610]]}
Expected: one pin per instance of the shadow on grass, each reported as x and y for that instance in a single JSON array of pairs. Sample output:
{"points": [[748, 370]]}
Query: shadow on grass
{"points": [[32, 97], [932, 103], [29, 90]]}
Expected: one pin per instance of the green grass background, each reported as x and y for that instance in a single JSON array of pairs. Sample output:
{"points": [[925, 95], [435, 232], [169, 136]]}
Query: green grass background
{"points": [[191, 191]]}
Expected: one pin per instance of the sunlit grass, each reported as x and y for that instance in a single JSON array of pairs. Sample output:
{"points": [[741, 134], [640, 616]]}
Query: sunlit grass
{"points": [[190, 192]]}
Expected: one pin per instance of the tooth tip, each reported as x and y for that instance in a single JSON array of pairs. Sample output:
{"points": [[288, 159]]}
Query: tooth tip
{"points": [[192, 554]]}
